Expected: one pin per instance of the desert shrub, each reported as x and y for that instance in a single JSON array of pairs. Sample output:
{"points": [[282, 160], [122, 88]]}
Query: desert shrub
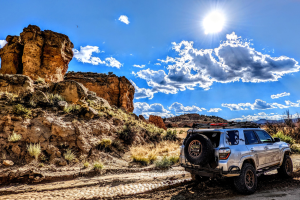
{"points": [[174, 159], [54, 98], [72, 109], [128, 134], [21, 110], [171, 135], [118, 145], [94, 104], [284, 137], [69, 155], [140, 159], [34, 150], [181, 132], [14, 137], [41, 165], [86, 164], [163, 163], [143, 154], [98, 166], [105, 143], [40, 80]]}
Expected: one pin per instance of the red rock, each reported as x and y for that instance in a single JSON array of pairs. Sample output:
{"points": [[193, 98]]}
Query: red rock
{"points": [[157, 121]]}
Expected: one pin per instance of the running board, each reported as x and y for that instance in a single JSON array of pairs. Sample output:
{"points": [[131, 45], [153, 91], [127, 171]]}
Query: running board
{"points": [[267, 170]]}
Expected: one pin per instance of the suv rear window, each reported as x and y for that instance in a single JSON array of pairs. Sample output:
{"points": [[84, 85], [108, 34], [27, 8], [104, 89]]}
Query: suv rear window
{"points": [[250, 137], [232, 137]]}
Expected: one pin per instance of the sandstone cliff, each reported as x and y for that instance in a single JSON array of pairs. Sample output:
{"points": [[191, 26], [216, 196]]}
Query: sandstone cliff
{"points": [[157, 121], [45, 54], [117, 91]]}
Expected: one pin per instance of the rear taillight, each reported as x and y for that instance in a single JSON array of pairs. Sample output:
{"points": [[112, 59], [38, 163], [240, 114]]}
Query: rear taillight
{"points": [[224, 153]]}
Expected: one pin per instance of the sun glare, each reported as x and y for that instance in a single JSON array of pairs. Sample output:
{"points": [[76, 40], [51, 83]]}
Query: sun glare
{"points": [[214, 22]]}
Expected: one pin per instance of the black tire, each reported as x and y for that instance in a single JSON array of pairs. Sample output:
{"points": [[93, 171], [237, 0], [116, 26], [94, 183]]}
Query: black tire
{"points": [[198, 179], [246, 182], [198, 149], [286, 169]]}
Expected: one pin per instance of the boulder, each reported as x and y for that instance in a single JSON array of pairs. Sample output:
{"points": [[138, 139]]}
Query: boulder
{"points": [[118, 91], [72, 91], [8, 163], [157, 121]]}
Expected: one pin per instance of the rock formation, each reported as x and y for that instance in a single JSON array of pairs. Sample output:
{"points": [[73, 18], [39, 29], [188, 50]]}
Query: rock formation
{"points": [[187, 120], [157, 121], [45, 54], [117, 91]]}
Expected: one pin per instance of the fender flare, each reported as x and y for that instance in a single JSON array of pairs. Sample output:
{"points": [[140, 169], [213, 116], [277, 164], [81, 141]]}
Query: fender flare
{"points": [[248, 157], [283, 152]]}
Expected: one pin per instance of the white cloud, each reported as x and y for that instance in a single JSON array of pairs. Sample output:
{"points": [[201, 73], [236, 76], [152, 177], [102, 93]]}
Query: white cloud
{"points": [[84, 55], [214, 110], [178, 107], [276, 96], [257, 105], [112, 62], [124, 19], [142, 108], [232, 61], [157, 64], [142, 92], [139, 66], [291, 104], [262, 115], [2, 43]]}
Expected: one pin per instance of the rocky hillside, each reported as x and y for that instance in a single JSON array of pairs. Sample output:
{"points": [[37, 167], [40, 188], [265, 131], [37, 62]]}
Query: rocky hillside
{"points": [[187, 120]]}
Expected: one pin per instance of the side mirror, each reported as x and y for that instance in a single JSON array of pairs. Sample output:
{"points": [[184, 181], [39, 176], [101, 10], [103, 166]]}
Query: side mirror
{"points": [[277, 139]]}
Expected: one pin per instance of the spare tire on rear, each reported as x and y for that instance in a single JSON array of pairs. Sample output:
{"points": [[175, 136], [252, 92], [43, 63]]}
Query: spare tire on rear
{"points": [[198, 149]]}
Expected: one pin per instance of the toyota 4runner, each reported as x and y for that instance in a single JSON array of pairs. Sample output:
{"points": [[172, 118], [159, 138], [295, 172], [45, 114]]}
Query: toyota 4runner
{"points": [[239, 150]]}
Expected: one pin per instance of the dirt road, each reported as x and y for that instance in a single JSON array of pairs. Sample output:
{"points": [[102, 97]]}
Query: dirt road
{"points": [[171, 184]]}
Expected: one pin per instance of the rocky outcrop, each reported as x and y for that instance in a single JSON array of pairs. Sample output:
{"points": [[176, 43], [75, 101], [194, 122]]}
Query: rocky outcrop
{"points": [[15, 83], [45, 54], [141, 117], [117, 91], [157, 121], [187, 120]]}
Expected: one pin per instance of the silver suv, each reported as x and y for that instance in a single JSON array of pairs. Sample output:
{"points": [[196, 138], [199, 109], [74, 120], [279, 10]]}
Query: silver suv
{"points": [[239, 150]]}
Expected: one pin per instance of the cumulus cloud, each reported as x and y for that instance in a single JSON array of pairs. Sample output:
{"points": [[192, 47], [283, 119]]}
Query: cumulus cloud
{"points": [[257, 105], [214, 110], [84, 55], [142, 92], [142, 108], [157, 64], [233, 60], [262, 115], [291, 104], [2, 43], [139, 66], [276, 96], [124, 19], [178, 107]]}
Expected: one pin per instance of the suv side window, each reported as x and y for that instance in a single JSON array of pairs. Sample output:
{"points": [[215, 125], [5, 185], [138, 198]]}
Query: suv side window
{"points": [[264, 136], [232, 137], [250, 137]]}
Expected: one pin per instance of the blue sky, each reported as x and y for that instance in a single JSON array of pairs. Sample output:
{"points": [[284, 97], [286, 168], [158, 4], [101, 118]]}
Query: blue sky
{"points": [[232, 73]]}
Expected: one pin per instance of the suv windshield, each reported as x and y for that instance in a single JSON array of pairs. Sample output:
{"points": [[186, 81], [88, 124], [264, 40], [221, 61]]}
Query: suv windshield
{"points": [[264, 136]]}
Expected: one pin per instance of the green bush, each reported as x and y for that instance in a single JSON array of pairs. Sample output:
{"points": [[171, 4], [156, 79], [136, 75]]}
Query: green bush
{"points": [[21, 110], [98, 166], [72, 109], [54, 98], [285, 138], [174, 159], [86, 164], [105, 143], [164, 163], [171, 135], [128, 134]]}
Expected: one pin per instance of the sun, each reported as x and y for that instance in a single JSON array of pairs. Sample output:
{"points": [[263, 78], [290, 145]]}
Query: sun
{"points": [[213, 22]]}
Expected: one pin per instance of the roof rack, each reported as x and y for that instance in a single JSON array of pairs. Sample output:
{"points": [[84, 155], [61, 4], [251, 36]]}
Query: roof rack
{"points": [[227, 125]]}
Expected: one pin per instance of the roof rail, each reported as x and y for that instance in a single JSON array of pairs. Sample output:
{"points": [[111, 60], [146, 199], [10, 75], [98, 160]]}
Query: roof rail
{"points": [[227, 125]]}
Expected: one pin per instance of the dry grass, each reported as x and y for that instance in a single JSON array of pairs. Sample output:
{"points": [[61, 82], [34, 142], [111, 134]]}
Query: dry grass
{"points": [[146, 154], [14, 137], [69, 155], [98, 166], [34, 150]]}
